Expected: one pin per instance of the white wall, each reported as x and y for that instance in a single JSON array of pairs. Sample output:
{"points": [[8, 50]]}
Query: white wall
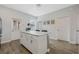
{"points": [[66, 13], [7, 14]]}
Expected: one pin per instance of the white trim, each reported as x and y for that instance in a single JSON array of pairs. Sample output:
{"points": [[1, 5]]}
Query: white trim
{"points": [[73, 42], [6, 41]]}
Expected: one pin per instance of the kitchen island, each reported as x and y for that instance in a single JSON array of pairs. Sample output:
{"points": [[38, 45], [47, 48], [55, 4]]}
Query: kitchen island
{"points": [[36, 42]]}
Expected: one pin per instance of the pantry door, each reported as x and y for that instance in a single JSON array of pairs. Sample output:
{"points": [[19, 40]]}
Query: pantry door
{"points": [[63, 28], [77, 29], [15, 29]]}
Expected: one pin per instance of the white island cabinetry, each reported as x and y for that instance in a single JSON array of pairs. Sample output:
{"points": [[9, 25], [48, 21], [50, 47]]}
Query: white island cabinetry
{"points": [[35, 42]]}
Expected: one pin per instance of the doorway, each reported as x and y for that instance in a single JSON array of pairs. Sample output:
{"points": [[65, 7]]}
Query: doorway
{"points": [[15, 29]]}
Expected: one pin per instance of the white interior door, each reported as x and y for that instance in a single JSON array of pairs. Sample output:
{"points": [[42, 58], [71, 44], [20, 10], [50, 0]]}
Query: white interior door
{"points": [[77, 37], [77, 29], [15, 30], [63, 28]]}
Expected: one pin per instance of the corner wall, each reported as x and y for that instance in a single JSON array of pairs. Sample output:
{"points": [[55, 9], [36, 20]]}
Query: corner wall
{"points": [[6, 15]]}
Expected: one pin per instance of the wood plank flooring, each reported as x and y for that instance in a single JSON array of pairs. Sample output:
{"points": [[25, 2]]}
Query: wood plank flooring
{"points": [[13, 47], [63, 47], [56, 47]]}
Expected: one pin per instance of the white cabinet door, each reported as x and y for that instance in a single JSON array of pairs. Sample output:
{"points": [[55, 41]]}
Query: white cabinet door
{"points": [[39, 44], [33, 44], [25, 40], [28, 41]]}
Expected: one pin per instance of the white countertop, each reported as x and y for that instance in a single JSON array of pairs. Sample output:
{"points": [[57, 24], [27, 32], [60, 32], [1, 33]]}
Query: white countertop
{"points": [[35, 32]]}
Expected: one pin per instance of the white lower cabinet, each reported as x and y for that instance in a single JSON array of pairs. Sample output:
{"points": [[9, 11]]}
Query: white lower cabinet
{"points": [[36, 44]]}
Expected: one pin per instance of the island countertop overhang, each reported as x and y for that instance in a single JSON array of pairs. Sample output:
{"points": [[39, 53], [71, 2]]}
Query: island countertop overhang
{"points": [[35, 33]]}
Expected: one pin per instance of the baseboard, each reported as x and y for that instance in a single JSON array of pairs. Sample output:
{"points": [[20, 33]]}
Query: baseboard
{"points": [[2, 42], [73, 42]]}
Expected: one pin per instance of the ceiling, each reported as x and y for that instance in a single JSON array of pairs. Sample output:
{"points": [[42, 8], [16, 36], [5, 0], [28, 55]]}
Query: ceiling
{"points": [[37, 9]]}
